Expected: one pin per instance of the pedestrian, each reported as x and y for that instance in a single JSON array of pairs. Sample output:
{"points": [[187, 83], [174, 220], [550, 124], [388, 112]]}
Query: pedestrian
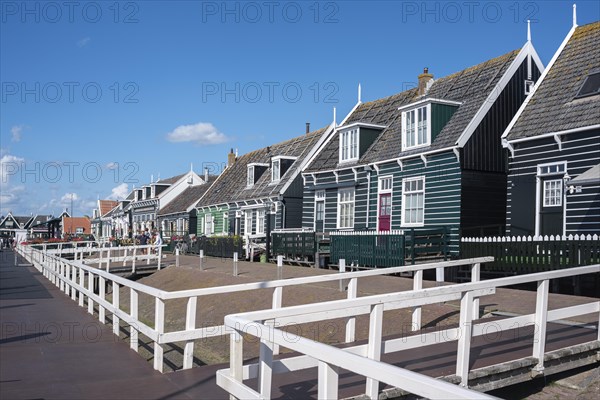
{"points": [[157, 241], [143, 240]]}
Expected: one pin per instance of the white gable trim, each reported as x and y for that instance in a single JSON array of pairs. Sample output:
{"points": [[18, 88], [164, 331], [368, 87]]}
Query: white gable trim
{"points": [[526, 50], [537, 85]]}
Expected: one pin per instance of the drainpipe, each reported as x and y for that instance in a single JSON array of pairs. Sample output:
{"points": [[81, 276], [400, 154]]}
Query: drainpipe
{"points": [[368, 169]]}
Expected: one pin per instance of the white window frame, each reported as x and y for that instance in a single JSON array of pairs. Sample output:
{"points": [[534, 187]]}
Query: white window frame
{"points": [[558, 186], [349, 152], [250, 176], [341, 206], [561, 170], [276, 177], [208, 225], [260, 221], [320, 196], [385, 185], [404, 194], [248, 222], [79, 231], [427, 141], [226, 222]]}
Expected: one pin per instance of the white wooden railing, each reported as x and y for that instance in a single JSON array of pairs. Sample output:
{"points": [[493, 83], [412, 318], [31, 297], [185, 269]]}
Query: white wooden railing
{"points": [[77, 280], [364, 359], [104, 256]]}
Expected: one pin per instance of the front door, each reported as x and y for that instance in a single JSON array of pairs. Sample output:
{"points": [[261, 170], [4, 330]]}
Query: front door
{"points": [[385, 211], [551, 206], [319, 215]]}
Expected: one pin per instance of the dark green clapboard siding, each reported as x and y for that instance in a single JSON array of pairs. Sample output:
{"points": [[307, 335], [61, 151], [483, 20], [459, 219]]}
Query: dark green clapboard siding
{"points": [[440, 115]]}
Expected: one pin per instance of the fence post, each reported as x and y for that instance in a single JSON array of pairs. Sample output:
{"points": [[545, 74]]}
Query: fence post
{"points": [[102, 291], [235, 264], [277, 298], [125, 256], [201, 259], [279, 267], [342, 266], [91, 291], [159, 327], [464, 340], [133, 261], [190, 324], [476, 277], [541, 315], [108, 261], [159, 252], [327, 381], [115, 302], [82, 284], [374, 346], [416, 314], [148, 254], [177, 258], [133, 312], [236, 357], [351, 323]]}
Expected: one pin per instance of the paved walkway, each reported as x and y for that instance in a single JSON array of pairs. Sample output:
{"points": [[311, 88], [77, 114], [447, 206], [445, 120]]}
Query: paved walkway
{"points": [[50, 348]]}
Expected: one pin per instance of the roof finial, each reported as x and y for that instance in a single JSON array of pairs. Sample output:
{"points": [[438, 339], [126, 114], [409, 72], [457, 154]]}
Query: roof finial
{"points": [[191, 167], [574, 14], [151, 178], [334, 118], [359, 93], [528, 30]]}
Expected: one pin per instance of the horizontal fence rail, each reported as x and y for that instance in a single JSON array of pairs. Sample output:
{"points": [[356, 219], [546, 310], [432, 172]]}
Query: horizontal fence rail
{"points": [[329, 359]]}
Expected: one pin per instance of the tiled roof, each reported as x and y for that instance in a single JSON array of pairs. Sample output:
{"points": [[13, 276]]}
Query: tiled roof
{"points": [[187, 198], [231, 184], [106, 206], [471, 87], [553, 107], [171, 180], [22, 220]]}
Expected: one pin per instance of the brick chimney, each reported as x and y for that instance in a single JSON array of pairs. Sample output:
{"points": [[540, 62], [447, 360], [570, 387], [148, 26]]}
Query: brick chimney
{"points": [[425, 80], [230, 158]]}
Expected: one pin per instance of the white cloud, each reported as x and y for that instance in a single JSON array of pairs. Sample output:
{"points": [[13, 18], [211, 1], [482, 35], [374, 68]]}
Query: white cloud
{"points": [[17, 132], [83, 42], [112, 165], [9, 165], [119, 192], [201, 133]]}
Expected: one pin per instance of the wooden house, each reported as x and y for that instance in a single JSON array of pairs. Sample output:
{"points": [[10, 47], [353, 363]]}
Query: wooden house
{"points": [[426, 157], [554, 144], [259, 191]]}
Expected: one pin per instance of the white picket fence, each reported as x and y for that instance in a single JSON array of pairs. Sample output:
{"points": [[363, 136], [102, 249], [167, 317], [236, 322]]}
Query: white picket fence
{"points": [[545, 238]]}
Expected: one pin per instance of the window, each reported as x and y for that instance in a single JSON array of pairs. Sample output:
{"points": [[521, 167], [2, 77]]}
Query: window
{"points": [[413, 201], [208, 224], [385, 184], [79, 231], [349, 145], [553, 193], [260, 222], [552, 169], [590, 86], [346, 208], [275, 170], [416, 128], [248, 224], [225, 222], [250, 180], [320, 195]]}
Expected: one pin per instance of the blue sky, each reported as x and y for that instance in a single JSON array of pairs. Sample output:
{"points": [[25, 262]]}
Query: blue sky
{"points": [[96, 96]]}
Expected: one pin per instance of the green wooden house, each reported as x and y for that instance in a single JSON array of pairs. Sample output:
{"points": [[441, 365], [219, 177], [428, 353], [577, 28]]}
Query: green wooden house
{"points": [[427, 157]]}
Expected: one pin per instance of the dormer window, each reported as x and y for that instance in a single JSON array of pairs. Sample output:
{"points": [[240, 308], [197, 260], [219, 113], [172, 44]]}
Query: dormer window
{"points": [[419, 127], [416, 127], [250, 178], [349, 145], [276, 170], [255, 171], [279, 166]]}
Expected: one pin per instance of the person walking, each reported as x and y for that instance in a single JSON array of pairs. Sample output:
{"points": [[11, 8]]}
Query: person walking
{"points": [[157, 241]]}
